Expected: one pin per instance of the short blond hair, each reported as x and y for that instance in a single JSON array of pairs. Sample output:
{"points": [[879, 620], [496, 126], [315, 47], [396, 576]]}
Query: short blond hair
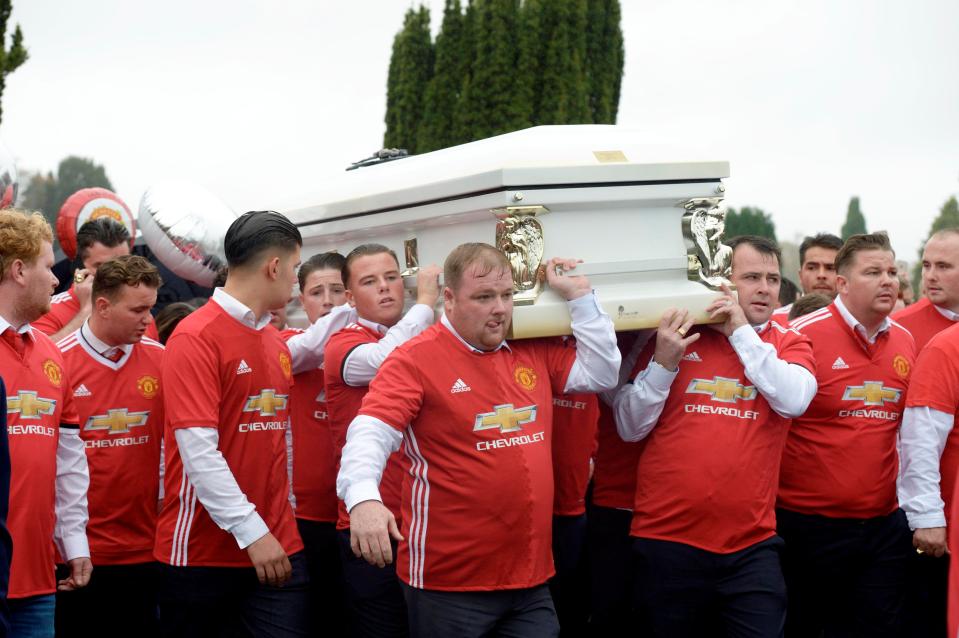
{"points": [[21, 237], [466, 255]]}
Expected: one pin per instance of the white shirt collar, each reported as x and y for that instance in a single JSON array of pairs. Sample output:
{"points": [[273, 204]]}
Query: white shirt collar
{"points": [[446, 323], [101, 348], [24, 329], [948, 314], [239, 311], [856, 325], [372, 325]]}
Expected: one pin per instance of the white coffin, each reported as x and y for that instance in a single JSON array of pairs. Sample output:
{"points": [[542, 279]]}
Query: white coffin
{"points": [[645, 221]]}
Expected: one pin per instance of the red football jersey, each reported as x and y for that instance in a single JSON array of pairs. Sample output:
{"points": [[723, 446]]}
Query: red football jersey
{"points": [[343, 402], [64, 307], [477, 427], [614, 471], [220, 373], [38, 402], [935, 384], [574, 442], [840, 458], [314, 464], [923, 321], [121, 424], [953, 589], [707, 474]]}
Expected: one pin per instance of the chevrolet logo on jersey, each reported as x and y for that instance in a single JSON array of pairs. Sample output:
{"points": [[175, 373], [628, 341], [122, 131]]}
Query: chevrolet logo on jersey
{"points": [[722, 389], [266, 403], [29, 406], [871, 393], [505, 417], [117, 421]]}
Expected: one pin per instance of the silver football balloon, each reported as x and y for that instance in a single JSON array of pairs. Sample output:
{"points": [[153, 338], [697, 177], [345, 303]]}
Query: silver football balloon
{"points": [[184, 225], [9, 182]]}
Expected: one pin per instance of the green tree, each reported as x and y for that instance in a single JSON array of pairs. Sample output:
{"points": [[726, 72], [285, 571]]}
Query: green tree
{"points": [[443, 89], [855, 223], [463, 109], [749, 220], [411, 68], [556, 50], [948, 218], [503, 65], [493, 77], [47, 193], [10, 58], [604, 59]]}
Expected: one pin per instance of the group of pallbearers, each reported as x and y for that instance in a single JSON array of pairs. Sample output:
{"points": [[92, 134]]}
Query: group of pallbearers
{"points": [[743, 475]]}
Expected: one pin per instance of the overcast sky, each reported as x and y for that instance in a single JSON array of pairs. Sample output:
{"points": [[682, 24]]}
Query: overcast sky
{"points": [[811, 101]]}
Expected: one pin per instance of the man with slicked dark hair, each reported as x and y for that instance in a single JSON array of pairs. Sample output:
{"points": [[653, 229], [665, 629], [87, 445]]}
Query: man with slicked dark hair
{"points": [[233, 560]]}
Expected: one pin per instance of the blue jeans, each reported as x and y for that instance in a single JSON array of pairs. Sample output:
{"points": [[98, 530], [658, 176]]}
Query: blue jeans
{"points": [[32, 617]]}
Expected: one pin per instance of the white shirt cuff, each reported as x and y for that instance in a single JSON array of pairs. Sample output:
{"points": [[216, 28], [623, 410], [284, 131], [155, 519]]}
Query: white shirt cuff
{"points": [[75, 546], [362, 491], [583, 309], [252, 529], [658, 377]]}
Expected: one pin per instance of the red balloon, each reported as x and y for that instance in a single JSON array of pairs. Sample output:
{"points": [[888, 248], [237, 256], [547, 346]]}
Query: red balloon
{"points": [[87, 204]]}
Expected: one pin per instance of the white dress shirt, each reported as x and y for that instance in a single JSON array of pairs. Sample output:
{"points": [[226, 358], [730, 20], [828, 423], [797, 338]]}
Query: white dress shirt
{"points": [[369, 441], [364, 361], [787, 387], [856, 325], [923, 435]]}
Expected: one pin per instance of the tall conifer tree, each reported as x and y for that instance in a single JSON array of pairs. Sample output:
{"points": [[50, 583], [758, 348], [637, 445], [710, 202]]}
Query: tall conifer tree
{"points": [[443, 89], [411, 68], [604, 59]]}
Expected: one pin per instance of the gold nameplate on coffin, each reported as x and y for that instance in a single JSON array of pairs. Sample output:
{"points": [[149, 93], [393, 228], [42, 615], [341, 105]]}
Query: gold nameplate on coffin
{"points": [[519, 236]]}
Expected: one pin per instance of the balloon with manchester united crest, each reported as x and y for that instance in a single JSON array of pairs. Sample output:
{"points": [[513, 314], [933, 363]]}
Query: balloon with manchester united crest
{"points": [[85, 205]]}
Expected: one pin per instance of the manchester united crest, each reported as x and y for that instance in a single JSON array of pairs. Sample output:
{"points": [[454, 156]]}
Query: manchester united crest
{"points": [[901, 365], [285, 365], [148, 386], [526, 377], [53, 372]]}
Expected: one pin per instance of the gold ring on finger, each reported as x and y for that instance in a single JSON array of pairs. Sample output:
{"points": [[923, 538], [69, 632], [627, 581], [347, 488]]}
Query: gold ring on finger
{"points": [[682, 332], [919, 551], [79, 277]]}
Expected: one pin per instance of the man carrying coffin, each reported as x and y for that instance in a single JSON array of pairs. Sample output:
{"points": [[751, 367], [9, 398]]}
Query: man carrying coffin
{"points": [[474, 414], [713, 406]]}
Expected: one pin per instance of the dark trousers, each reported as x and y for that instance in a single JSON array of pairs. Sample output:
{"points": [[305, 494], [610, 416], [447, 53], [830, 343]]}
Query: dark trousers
{"points": [[132, 590], [685, 591], [511, 613], [610, 548], [327, 609], [230, 602], [926, 600], [569, 588], [846, 577], [374, 599]]}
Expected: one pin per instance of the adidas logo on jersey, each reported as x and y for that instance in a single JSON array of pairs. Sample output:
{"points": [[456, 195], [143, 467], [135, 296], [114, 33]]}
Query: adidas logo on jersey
{"points": [[460, 386], [81, 391], [243, 368], [693, 356], [839, 364]]}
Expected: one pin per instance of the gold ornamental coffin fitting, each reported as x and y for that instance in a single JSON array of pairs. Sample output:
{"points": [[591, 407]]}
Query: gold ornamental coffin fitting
{"points": [[709, 261], [519, 236]]}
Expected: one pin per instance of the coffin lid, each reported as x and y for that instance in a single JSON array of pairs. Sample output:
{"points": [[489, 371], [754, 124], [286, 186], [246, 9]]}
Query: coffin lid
{"points": [[538, 157]]}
